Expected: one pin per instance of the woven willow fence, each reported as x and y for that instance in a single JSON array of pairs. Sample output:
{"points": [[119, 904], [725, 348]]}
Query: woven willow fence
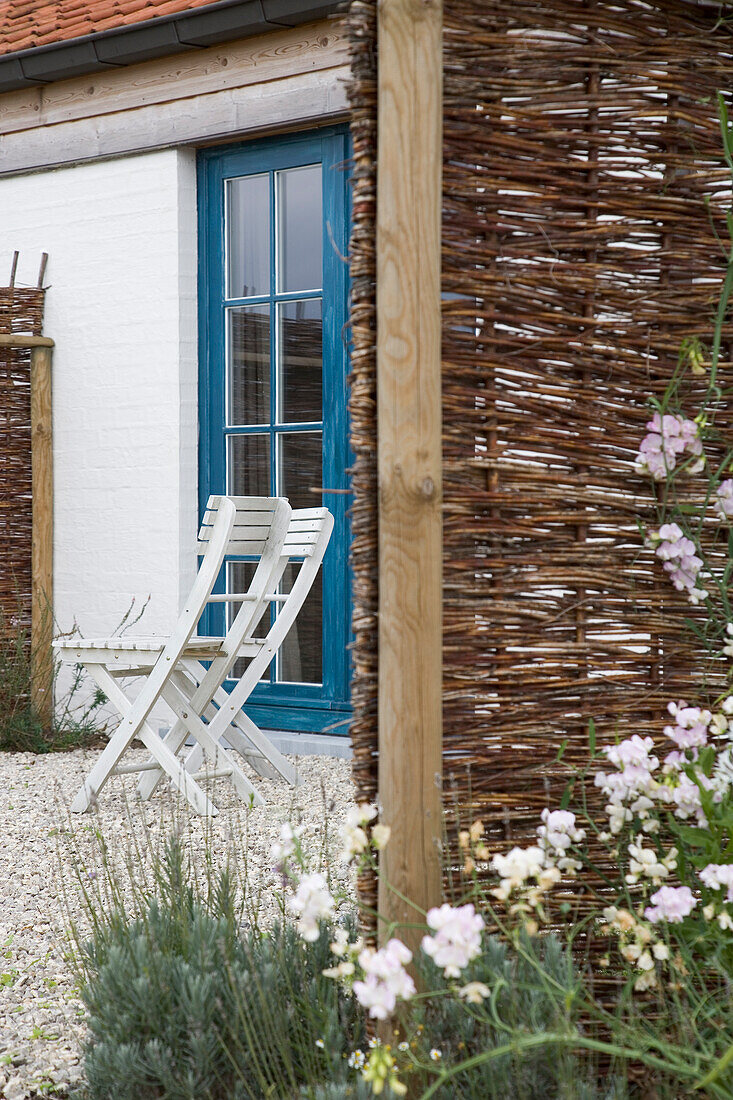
{"points": [[583, 194], [21, 311]]}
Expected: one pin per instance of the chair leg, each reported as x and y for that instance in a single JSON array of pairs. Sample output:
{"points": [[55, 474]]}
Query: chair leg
{"points": [[247, 735], [173, 740], [244, 735], [251, 744], [241, 732], [256, 760], [176, 699], [110, 757]]}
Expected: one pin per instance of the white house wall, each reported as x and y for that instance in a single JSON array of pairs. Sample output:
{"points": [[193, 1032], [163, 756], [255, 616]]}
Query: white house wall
{"points": [[121, 307]]}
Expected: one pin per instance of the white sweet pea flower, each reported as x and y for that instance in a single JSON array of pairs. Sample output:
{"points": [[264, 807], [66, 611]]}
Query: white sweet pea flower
{"points": [[457, 938], [285, 847], [311, 903], [354, 841], [557, 834], [361, 814], [474, 992], [385, 979]]}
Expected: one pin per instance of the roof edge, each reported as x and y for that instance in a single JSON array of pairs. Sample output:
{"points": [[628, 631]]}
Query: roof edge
{"points": [[196, 28]]}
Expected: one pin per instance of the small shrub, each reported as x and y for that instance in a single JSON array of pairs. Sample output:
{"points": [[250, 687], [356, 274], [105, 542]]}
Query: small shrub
{"points": [[184, 1003], [21, 728], [537, 989]]}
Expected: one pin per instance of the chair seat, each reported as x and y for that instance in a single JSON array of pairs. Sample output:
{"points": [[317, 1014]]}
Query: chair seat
{"points": [[202, 648]]}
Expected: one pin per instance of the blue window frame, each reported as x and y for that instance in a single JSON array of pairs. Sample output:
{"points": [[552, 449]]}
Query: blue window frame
{"points": [[272, 394]]}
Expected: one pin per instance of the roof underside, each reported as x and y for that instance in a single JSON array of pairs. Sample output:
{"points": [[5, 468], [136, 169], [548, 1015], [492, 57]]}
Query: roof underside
{"points": [[46, 40], [25, 24]]}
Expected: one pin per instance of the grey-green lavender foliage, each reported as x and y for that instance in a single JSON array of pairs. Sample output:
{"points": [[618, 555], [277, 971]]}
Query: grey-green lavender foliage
{"points": [[534, 989], [185, 1003], [21, 727]]}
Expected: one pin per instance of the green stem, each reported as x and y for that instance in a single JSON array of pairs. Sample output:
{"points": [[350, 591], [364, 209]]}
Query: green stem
{"points": [[551, 1039]]}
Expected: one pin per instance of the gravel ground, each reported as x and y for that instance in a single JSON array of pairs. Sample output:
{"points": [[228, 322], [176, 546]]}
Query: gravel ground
{"points": [[41, 1017]]}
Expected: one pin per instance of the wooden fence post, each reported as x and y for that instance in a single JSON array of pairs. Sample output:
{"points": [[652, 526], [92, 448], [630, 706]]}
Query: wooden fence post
{"points": [[42, 536], [42, 543], [409, 179]]}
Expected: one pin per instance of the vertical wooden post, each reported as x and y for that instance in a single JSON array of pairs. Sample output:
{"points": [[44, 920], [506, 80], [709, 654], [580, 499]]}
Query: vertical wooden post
{"points": [[409, 184], [42, 542]]}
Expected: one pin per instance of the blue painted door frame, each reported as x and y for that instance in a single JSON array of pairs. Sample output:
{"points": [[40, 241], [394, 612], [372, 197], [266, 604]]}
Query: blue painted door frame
{"points": [[279, 705]]}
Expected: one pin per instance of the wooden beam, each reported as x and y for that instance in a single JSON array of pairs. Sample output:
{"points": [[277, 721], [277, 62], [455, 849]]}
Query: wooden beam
{"points": [[288, 103], [409, 454], [257, 60], [42, 538], [20, 340]]}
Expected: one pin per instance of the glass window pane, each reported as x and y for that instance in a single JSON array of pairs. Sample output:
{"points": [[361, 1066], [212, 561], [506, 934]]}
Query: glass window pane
{"points": [[248, 352], [299, 229], [301, 468], [300, 351], [300, 655], [248, 466], [248, 236]]}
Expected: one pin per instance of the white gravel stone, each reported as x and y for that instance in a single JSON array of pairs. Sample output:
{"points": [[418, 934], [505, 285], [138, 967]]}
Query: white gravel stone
{"points": [[47, 855]]}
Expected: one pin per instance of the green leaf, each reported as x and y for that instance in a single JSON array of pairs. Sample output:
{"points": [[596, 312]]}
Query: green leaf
{"points": [[695, 838], [561, 750]]}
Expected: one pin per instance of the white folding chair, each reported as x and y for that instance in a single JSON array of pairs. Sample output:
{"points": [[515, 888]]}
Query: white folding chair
{"points": [[253, 526], [304, 545]]}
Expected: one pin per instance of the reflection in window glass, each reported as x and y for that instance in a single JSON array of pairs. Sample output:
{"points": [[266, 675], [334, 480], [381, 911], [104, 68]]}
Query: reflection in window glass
{"points": [[248, 236], [249, 465], [301, 464], [300, 350], [299, 229], [300, 657], [248, 349]]}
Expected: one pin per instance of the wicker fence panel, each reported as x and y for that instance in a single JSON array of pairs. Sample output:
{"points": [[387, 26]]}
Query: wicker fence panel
{"points": [[581, 150], [21, 311], [581, 143], [362, 22], [362, 19]]}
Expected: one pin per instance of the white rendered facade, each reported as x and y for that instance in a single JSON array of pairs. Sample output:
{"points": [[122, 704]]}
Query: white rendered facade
{"points": [[121, 308]]}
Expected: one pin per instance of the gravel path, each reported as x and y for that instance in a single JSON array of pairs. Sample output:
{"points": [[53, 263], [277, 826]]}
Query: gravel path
{"points": [[41, 1017]]}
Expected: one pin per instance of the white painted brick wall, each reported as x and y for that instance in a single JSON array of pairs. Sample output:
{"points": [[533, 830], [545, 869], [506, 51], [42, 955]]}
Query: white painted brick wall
{"points": [[121, 306]]}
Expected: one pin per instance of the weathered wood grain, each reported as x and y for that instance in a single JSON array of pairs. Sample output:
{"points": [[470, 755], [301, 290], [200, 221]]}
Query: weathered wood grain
{"points": [[21, 340], [252, 61], [42, 540], [409, 453], [287, 103]]}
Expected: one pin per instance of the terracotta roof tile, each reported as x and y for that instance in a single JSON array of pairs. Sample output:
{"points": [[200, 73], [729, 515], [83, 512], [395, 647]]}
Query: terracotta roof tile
{"points": [[28, 23]]}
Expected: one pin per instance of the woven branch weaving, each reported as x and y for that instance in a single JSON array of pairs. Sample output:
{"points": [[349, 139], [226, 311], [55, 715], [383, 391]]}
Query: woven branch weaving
{"points": [[21, 311], [584, 191]]}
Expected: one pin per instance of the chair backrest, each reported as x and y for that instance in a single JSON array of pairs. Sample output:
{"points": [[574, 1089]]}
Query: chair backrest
{"points": [[253, 523], [266, 528], [308, 533], [306, 542]]}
